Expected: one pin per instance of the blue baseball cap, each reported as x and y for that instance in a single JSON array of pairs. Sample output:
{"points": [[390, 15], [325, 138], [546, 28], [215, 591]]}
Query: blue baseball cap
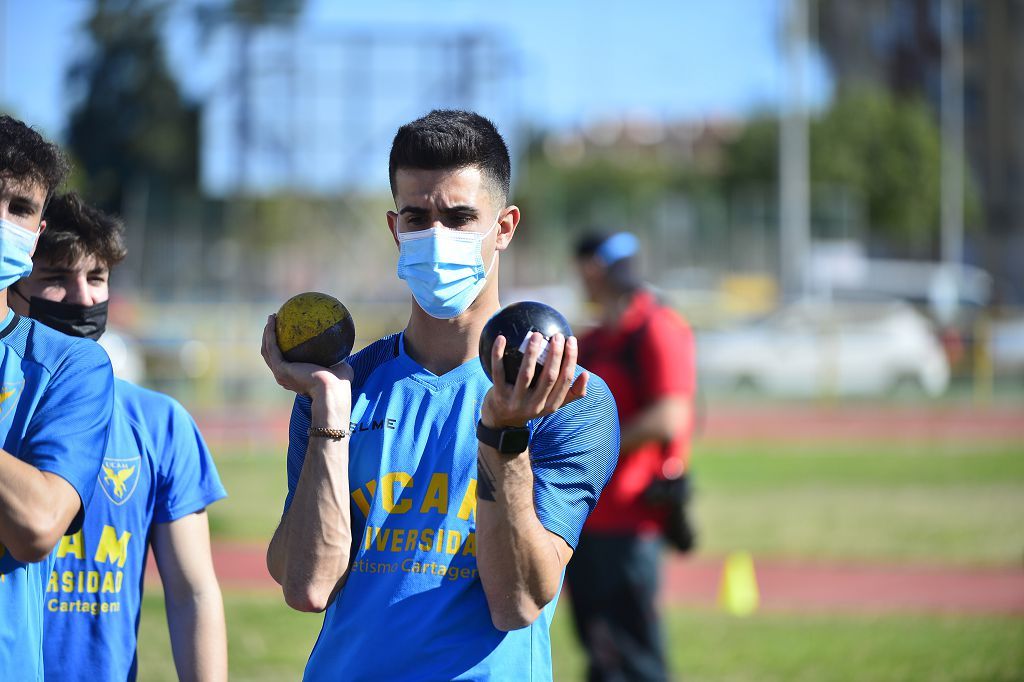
{"points": [[616, 247]]}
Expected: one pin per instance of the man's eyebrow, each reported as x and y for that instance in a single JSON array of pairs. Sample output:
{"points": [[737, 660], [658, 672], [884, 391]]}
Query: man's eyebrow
{"points": [[461, 208], [62, 270]]}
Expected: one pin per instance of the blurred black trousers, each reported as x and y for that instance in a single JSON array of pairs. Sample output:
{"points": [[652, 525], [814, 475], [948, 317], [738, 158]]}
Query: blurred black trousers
{"points": [[613, 582]]}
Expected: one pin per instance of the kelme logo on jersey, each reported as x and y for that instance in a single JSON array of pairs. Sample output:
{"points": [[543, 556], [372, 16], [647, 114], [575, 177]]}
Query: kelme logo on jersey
{"points": [[119, 477], [9, 398]]}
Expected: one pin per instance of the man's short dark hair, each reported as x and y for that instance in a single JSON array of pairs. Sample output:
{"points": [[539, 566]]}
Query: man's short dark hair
{"points": [[622, 272], [589, 242], [452, 139], [26, 157], [75, 230]]}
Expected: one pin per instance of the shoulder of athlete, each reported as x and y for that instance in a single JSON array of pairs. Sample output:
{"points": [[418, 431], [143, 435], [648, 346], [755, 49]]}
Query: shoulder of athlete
{"points": [[597, 405], [59, 352], [146, 405]]}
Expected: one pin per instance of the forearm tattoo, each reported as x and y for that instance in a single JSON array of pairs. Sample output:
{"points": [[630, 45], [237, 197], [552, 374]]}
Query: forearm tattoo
{"points": [[486, 483]]}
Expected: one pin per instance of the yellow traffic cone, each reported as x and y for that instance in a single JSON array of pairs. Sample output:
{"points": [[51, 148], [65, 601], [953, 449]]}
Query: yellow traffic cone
{"points": [[738, 593]]}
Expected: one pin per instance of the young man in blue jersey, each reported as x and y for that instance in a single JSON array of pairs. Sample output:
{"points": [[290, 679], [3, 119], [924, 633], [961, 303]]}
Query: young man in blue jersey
{"points": [[430, 513], [157, 478], [56, 397]]}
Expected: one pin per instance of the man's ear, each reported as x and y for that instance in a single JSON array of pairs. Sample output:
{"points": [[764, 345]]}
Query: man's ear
{"points": [[507, 227], [393, 225], [42, 226]]}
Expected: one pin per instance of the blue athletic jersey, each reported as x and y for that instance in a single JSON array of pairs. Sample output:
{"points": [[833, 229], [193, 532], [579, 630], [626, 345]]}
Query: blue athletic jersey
{"points": [[56, 396], [413, 607], [156, 469]]}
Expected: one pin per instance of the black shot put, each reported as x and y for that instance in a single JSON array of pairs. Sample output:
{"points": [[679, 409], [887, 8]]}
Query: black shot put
{"points": [[516, 323]]}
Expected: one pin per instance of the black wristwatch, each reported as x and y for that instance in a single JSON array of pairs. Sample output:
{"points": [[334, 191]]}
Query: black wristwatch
{"points": [[511, 440]]}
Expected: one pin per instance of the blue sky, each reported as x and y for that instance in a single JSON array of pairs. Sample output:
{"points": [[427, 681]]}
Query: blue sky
{"points": [[596, 58], [578, 61]]}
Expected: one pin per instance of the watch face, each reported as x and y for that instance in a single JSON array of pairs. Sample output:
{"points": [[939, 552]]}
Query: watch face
{"points": [[514, 441]]}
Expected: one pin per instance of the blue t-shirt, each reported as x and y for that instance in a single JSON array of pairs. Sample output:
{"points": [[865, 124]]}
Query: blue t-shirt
{"points": [[413, 607], [156, 469], [56, 396]]}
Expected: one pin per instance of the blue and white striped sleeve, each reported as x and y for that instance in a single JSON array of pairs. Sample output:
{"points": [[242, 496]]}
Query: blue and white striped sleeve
{"points": [[574, 452]]}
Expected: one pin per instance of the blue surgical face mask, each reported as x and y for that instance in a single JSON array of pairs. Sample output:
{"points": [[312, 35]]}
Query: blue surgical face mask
{"points": [[443, 268], [16, 245]]}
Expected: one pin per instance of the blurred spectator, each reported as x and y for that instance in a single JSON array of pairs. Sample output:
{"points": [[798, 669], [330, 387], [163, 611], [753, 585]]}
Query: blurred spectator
{"points": [[645, 352]]}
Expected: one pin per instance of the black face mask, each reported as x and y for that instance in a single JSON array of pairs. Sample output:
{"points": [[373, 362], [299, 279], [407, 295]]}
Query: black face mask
{"points": [[72, 319]]}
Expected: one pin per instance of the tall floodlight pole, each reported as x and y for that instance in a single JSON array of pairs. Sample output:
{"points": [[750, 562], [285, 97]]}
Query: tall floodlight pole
{"points": [[794, 185], [952, 123]]}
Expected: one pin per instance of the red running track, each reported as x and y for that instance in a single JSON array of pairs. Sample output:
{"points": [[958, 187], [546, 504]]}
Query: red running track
{"points": [[813, 587], [811, 422], [784, 586]]}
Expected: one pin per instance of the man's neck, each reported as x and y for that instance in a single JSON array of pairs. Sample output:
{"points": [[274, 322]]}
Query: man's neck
{"points": [[442, 345], [614, 307], [3, 304]]}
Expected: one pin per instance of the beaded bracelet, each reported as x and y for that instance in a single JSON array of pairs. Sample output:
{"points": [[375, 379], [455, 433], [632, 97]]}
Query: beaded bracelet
{"points": [[324, 432]]}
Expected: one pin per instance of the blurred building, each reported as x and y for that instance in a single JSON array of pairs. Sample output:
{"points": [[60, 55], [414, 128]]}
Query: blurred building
{"points": [[898, 44], [697, 144]]}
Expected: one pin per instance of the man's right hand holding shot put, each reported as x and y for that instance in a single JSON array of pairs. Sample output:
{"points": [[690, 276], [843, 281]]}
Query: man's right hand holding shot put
{"points": [[430, 513], [309, 565]]}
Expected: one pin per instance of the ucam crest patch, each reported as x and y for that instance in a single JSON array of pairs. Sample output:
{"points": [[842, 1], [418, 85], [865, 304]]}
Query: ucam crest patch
{"points": [[9, 398], [119, 477]]}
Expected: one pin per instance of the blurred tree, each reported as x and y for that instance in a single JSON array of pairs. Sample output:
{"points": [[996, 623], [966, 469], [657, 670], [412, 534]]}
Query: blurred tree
{"points": [[753, 157], [884, 149], [210, 15], [131, 125], [612, 186], [266, 11], [265, 221], [888, 150]]}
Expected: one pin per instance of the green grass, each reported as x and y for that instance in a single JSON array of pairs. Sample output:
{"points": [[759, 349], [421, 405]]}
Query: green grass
{"points": [[766, 648], [256, 484], [956, 504], [752, 466], [268, 641], [951, 504]]}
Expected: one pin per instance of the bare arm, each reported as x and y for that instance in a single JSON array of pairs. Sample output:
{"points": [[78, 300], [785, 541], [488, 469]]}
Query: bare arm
{"points": [[520, 561], [36, 508], [309, 553], [661, 421], [195, 610]]}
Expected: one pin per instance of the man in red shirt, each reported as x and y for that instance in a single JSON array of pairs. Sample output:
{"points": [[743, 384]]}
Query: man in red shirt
{"points": [[645, 352]]}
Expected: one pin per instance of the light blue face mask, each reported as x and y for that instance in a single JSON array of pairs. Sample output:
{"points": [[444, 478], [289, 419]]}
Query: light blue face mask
{"points": [[16, 244], [443, 268]]}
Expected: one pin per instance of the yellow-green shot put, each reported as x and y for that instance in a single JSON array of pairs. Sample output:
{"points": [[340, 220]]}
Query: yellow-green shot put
{"points": [[316, 328]]}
